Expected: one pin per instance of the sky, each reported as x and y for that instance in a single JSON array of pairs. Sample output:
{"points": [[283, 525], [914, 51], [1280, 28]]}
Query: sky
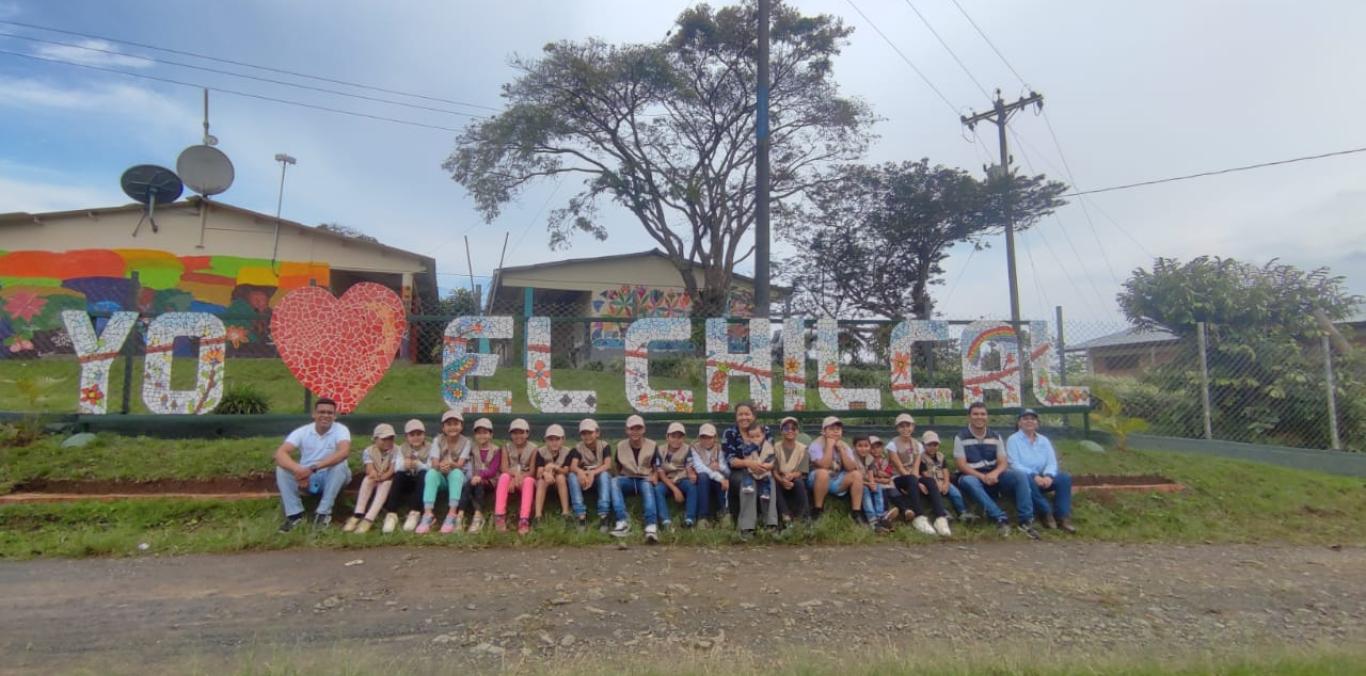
{"points": [[1134, 91]]}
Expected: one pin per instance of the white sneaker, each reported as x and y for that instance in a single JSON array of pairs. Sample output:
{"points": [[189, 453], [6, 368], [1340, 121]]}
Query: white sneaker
{"points": [[923, 525], [391, 522], [941, 526], [623, 527], [410, 523], [651, 534]]}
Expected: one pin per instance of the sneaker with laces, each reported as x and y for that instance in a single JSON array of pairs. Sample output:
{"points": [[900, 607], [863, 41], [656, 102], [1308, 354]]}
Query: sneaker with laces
{"points": [[410, 523], [500, 523], [351, 524], [1003, 529], [290, 522], [603, 525], [922, 525], [425, 525], [583, 524], [1028, 529], [448, 525], [364, 526], [391, 523], [1049, 522], [477, 523], [322, 521], [622, 529], [941, 527], [523, 526], [651, 535], [1066, 525]]}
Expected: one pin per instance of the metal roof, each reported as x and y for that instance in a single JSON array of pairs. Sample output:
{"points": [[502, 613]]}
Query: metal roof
{"points": [[1128, 337]]}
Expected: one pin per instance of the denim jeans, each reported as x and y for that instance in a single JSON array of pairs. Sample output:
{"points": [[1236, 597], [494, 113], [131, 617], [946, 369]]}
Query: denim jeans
{"points": [[333, 480], [663, 496], [626, 486], [956, 499], [875, 498], [602, 484], [1062, 496], [706, 500], [1011, 483]]}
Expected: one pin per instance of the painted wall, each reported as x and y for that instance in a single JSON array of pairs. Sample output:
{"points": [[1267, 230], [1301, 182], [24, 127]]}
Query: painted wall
{"points": [[640, 302]]}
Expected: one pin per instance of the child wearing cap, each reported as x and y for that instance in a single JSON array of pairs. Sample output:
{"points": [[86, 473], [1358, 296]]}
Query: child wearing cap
{"points": [[552, 471], [791, 465], [518, 476], [591, 465], [410, 468], [935, 483], [486, 461], [835, 471], [711, 475], [449, 456], [903, 451], [890, 503], [635, 460], [674, 481], [379, 459], [874, 508]]}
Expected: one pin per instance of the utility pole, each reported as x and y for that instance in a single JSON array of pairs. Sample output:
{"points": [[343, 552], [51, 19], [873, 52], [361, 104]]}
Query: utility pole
{"points": [[761, 175], [999, 115]]}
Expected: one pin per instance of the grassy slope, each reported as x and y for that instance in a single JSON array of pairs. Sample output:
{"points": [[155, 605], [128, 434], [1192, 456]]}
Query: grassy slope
{"points": [[1227, 501]]}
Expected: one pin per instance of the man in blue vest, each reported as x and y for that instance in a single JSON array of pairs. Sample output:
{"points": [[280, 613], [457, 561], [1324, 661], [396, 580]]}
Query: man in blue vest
{"points": [[984, 473]]}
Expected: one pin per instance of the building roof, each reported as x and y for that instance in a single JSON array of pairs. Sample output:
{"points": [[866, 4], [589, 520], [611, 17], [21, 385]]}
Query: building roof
{"points": [[1126, 338], [194, 201]]}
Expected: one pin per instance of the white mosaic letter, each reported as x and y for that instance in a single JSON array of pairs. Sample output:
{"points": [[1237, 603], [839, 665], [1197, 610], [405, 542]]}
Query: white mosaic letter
{"points": [[904, 337], [457, 363], [991, 361], [96, 354], [539, 391], [722, 365], [794, 363], [638, 391], [156, 379], [1044, 364], [828, 373]]}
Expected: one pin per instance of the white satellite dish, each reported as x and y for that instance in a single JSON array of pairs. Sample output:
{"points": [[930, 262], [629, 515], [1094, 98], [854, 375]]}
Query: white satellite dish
{"points": [[205, 169]]}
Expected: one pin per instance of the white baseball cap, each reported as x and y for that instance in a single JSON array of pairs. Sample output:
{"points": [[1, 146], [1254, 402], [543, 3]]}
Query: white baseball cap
{"points": [[519, 424], [483, 423], [554, 431], [905, 418], [635, 421], [930, 437], [452, 414], [875, 440], [831, 420], [706, 430], [588, 425], [789, 419], [677, 427], [414, 425], [384, 431]]}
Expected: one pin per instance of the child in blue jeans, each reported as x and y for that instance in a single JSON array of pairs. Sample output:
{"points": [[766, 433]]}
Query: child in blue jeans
{"points": [[932, 466]]}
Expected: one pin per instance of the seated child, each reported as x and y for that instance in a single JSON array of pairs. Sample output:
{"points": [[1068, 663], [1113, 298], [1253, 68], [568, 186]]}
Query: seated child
{"points": [[379, 459]]}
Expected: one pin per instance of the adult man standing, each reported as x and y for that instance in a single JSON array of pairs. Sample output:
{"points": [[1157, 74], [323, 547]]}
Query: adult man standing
{"points": [[984, 472], [321, 468], [1033, 454]]}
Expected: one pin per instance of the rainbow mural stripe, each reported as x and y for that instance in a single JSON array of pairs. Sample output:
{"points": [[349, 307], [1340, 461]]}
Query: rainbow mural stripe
{"points": [[37, 286]]}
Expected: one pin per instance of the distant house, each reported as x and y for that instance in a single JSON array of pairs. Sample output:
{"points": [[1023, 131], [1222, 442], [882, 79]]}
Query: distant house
{"points": [[623, 286], [1128, 352], [203, 256]]}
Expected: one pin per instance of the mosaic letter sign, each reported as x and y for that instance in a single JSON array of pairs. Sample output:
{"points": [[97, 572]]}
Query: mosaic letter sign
{"points": [[722, 365], [828, 373], [339, 347], [542, 395], [458, 363], [794, 363], [96, 354], [904, 337], [641, 396], [156, 381]]}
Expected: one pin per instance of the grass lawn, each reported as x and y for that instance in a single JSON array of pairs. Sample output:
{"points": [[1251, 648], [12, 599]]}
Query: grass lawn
{"points": [[1226, 501]]}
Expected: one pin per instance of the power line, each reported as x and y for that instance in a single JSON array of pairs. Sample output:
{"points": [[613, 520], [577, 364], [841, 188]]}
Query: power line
{"points": [[233, 92], [990, 43], [220, 71], [244, 64], [948, 49], [905, 58], [1217, 172]]}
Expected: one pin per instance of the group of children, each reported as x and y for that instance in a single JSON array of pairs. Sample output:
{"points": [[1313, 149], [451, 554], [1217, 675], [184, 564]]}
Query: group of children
{"points": [[748, 474]]}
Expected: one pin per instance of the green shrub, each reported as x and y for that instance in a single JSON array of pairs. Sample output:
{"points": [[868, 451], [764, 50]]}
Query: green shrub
{"points": [[243, 399]]}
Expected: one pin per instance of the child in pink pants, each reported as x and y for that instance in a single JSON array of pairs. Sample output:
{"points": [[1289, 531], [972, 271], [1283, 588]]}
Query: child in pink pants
{"points": [[519, 476]]}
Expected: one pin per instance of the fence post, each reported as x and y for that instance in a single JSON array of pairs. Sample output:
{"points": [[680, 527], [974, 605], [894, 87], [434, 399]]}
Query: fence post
{"points": [[1332, 394], [528, 303], [1204, 377], [129, 349], [1062, 360]]}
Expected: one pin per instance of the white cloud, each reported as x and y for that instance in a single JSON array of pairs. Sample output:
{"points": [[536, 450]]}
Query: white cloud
{"points": [[106, 98], [92, 53], [18, 194]]}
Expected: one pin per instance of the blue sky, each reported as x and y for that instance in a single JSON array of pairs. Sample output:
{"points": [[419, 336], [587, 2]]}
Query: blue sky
{"points": [[1134, 90]]}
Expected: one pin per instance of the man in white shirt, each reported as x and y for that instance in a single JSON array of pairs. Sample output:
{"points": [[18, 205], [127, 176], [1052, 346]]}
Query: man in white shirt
{"points": [[320, 470]]}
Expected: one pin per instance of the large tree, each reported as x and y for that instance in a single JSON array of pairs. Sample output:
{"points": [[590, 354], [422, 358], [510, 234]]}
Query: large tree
{"points": [[667, 131], [876, 237]]}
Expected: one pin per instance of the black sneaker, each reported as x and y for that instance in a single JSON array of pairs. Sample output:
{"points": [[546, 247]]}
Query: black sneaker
{"points": [[816, 513], [603, 525], [290, 522], [1003, 529], [322, 521], [582, 523], [1028, 529]]}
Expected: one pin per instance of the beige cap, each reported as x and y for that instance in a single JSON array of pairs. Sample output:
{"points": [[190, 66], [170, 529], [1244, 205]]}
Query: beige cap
{"points": [[706, 430], [875, 440], [635, 421], [519, 424], [414, 425], [384, 431], [789, 419], [930, 437], [677, 427], [452, 414], [483, 423], [905, 418], [554, 431], [588, 425], [831, 420]]}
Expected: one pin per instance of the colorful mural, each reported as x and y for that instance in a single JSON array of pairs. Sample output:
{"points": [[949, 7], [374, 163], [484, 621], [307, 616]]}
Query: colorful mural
{"points": [[539, 390], [631, 302], [36, 287], [339, 347], [724, 364], [458, 363], [904, 337], [794, 364]]}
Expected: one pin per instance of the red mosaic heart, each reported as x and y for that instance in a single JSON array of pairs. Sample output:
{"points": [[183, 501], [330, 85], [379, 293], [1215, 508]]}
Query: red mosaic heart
{"points": [[339, 348]]}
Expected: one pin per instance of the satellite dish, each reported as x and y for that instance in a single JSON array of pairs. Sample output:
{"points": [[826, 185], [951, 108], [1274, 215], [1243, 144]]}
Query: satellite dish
{"points": [[205, 169], [150, 184]]}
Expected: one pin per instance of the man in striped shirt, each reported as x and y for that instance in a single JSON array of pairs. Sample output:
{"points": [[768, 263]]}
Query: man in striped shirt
{"points": [[984, 473]]}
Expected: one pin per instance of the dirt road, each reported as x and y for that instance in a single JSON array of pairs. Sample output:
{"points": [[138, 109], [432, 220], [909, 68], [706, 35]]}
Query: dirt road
{"points": [[483, 608]]}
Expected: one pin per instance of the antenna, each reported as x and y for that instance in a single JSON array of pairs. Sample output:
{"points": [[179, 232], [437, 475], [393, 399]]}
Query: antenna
{"points": [[149, 184]]}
